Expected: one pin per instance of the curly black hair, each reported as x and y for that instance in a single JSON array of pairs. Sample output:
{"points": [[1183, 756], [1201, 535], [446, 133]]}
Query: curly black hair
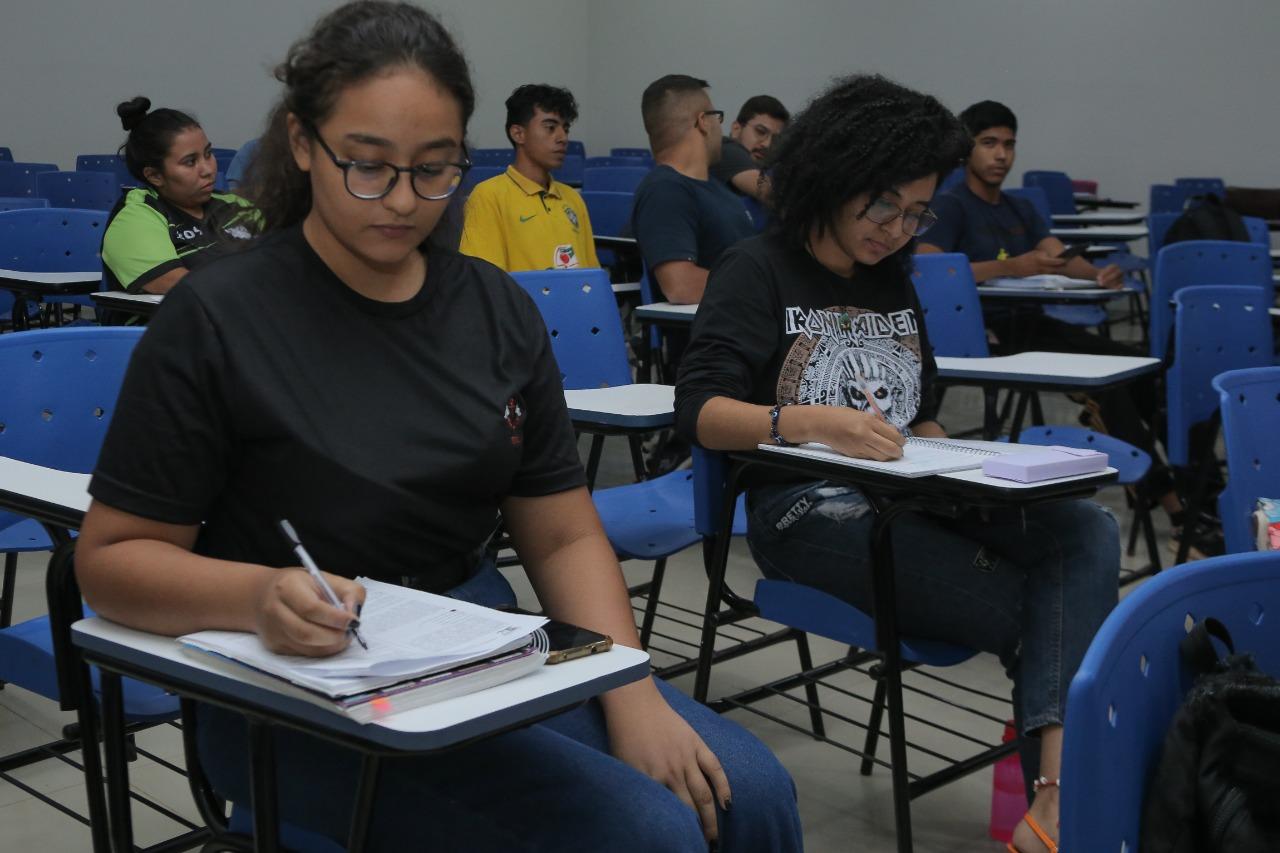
{"points": [[864, 134], [526, 100]]}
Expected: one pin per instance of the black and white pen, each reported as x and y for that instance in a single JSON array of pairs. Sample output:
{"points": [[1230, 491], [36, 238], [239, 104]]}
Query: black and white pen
{"points": [[314, 570]]}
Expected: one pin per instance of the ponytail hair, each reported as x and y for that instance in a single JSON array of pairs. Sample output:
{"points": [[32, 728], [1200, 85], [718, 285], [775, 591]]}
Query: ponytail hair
{"points": [[151, 134], [346, 46]]}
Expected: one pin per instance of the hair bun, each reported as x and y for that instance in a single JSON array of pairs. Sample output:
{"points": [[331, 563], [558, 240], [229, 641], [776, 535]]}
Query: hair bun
{"points": [[133, 111]]}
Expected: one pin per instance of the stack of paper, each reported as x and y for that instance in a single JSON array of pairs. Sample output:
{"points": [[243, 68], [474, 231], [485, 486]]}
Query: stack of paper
{"points": [[422, 648], [1042, 282]]}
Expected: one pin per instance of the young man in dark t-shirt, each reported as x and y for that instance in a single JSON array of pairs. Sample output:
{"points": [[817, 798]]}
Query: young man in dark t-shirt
{"points": [[683, 220], [742, 153]]}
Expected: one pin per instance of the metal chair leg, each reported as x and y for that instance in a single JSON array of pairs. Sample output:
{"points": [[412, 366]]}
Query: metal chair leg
{"points": [[651, 603], [873, 726], [6, 593], [810, 688]]}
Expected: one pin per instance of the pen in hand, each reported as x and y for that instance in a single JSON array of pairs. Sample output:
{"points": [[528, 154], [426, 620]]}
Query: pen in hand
{"points": [[312, 569]]}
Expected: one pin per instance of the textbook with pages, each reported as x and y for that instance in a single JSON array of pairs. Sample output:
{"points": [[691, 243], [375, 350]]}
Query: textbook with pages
{"points": [[423, 648]]}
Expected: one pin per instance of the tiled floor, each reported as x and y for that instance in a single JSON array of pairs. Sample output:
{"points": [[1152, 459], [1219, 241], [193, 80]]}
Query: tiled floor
{"points": [[841, 810]]}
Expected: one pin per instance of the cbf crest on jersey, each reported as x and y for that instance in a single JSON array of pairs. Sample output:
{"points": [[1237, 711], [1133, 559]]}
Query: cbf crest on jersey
{"points": [[572, 216]]}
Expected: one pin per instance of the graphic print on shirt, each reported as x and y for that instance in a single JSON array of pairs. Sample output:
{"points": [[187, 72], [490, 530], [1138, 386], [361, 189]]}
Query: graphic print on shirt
{"points": [[842, 351], [564, 257], [513, 415]]}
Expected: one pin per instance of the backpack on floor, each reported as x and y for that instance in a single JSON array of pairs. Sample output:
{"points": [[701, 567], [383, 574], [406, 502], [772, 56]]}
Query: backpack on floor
{"points": [[1217, 787], [1208, 220]]}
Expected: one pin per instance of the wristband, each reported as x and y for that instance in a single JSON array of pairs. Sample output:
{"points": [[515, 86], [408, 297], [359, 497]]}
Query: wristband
{"points": [[774, 436]]}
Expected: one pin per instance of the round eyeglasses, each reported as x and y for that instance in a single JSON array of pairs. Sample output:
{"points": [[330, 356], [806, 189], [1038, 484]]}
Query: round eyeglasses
{"points": [[882, 211], [373, 179]]}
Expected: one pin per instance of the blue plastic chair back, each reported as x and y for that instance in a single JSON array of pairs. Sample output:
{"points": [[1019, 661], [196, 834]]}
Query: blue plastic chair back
{"points": [[1216, 329], [570, 171], [6, 156], [576, 148], [611, 161], [223, 152], [224, 163], [1131, 682], [758, 212], [1202, 186], [99, 163], [1039, 200], [621, 179], [22, 203], [643, 154], [1057, 187], [951, 179], [1250, 404], [1258, 231], [19, 179], [239, 165], [1158, 225], [51, 240], [1202, 262], [503, 157], [952, 312], [582, 319], [79, 190], [478, 174], [1167, 198], [1131, 463], [610, 212]]}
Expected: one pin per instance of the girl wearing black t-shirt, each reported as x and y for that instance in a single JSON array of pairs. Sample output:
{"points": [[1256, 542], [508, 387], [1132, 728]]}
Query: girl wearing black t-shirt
{"points": [[813, 332], [353, 373], [175, 222]]}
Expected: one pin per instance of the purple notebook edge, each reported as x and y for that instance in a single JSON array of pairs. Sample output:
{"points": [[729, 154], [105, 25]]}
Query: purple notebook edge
{"points": [[1044, 463]]}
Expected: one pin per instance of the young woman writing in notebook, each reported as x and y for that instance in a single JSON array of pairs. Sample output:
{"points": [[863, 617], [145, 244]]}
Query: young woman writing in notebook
{"points": [[812, 332], [353, 373]]}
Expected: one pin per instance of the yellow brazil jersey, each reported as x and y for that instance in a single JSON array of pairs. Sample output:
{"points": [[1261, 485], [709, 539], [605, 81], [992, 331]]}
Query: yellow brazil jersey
{"points": [[515, 224]]}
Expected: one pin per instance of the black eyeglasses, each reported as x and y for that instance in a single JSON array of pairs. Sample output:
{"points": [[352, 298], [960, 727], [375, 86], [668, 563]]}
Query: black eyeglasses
{"points": [[373, 179], [719, 114], [882, 211]]}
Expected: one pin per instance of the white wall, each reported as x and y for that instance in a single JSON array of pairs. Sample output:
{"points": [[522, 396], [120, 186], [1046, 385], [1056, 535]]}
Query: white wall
{"points": [[1129, 92], [65, 64]]}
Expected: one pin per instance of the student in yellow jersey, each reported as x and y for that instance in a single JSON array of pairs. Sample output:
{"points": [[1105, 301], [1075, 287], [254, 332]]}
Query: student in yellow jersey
{"points": [[524, 219]]}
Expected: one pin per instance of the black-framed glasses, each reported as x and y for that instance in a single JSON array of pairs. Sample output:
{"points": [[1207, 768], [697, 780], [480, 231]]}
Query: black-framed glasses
{"points": [[882, 211], [719, 114], [373, 179]]}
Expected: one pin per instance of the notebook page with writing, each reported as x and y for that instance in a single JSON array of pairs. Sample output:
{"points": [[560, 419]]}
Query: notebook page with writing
{"points": [[921, 457]]}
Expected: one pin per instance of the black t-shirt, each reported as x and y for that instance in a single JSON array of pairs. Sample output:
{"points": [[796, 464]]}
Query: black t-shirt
{"points": [[387, 433], [734, 159], [775, 326], [985, 231], [678, 218]]}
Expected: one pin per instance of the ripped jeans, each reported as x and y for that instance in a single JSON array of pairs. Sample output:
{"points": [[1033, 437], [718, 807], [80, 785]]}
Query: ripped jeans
{"points": [[1033, 592]]}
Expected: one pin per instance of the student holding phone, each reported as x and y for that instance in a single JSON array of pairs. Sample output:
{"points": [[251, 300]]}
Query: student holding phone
{"points": [[812, 332], [355, 374]]}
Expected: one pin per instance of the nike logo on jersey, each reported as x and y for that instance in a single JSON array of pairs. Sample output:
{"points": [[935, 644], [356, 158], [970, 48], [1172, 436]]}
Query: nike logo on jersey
{"points": [[527, 218]]}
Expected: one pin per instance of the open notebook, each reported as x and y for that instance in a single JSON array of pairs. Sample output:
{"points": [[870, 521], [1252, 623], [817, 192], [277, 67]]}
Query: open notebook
{"points": [[921, 457], [1042, 282]]}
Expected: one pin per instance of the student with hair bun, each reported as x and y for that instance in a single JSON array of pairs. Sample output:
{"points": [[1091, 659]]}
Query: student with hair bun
{"points": [[352, 372], [176, 222]]}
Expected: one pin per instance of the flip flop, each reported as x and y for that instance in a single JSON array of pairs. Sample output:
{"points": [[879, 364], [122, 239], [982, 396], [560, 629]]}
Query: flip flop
{"points": [[1040, 833]]}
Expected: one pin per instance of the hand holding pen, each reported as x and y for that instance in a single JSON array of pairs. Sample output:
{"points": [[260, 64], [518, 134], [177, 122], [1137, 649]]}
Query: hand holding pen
{"points": [[320, 584]]}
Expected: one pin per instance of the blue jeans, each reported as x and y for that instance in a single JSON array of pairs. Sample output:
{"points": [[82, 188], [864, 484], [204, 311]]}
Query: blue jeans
{"points": [[548, 787], [1030, 586]]}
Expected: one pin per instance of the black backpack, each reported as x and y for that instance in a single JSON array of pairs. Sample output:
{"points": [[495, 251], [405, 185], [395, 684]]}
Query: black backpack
{"points": [[1208, 220], [1217, 787]]}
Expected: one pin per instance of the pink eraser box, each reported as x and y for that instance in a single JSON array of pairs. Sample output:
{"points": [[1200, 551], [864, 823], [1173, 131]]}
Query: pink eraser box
{"points": [[1044, 463]]}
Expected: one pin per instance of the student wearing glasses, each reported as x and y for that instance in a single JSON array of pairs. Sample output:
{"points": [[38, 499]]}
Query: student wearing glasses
{"points": [[742, 153], [684, 219], [176, 222], [812, 333], [355, 374]]}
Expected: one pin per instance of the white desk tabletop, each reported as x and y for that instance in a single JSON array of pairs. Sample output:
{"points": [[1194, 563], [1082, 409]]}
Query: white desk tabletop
{"points": [[120, 296], [1048, 368], [1108, 232], [431, 727], [1275, 254], [85, 277], [1274, 312], [1099, 217], [1047, 294], [47, 485], [637, 405], [626, 287], [667, 311]]}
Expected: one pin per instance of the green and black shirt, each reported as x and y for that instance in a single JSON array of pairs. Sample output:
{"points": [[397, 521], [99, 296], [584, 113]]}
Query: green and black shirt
{"points": [[147, 236]]}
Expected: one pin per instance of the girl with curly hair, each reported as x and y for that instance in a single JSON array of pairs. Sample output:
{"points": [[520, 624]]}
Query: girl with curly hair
{"points": [[812, 332]]}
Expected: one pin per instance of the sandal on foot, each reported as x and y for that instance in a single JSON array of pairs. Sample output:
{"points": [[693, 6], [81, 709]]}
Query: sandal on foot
{"points": [[1040, 833]]}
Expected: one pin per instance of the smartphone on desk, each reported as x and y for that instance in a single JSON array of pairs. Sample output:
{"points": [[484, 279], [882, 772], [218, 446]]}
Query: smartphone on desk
{"points": [[1074, 251], [569, 641]]}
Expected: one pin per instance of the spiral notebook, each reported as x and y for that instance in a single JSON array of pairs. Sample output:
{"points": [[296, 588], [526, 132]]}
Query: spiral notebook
{"points": [[921, 457]]}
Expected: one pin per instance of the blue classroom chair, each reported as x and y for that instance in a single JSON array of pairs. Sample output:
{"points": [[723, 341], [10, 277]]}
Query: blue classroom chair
{"points": [[224, 152], [1202, 262], [475, 175], [613, 178], [502, 157], [22, 203], [954, 178], [570, 171], [1249, 402], [1131, 683], [612, 161], [18, 180], [52, 240], [6, 156], [1258, 231], [1202, 186], [633, 153], [1168, 198], [952, 310], [1057, 187], [610, 214], [79, 190], [576, 148]]}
